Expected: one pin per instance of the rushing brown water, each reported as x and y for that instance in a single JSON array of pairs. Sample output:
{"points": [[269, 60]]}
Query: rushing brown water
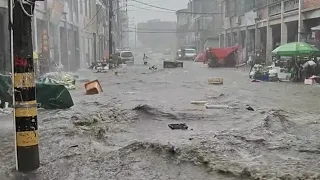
{"points": [[102, 137]]}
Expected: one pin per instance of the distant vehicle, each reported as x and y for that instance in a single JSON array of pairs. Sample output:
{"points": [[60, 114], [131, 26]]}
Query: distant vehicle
{"points": [[126, 56], [189, 54]]}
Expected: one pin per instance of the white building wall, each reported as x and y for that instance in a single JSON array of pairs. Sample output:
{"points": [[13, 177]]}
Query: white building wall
{"points": [[87, 26]]}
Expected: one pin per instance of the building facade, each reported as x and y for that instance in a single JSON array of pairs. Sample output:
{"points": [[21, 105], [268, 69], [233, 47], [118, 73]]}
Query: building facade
{"points": [[72, 33], [101, 37], [199, 24], [183, 22], [259, 26]]}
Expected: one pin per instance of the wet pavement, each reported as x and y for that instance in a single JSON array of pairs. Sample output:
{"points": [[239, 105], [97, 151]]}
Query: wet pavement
{"points": [[102, 137]]}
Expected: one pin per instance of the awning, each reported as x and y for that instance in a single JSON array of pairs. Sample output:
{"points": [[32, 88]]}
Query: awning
{"points": [[316, 28], [222, 53]]}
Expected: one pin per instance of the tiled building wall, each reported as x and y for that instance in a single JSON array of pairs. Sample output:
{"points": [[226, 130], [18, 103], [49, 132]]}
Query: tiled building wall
{"points": [[311, 4]]}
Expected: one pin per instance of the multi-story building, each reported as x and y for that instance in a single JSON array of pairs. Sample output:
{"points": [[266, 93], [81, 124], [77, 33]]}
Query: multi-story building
{"points": [[77, 31], [203, 18], [183, 20], [162, 39], [262, 25], [88, 29], [59, 21]]}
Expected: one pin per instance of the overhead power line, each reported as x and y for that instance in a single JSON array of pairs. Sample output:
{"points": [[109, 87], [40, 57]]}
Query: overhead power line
{"points": [[148, 9], [170, 10], [158, 7], [88, 24]]}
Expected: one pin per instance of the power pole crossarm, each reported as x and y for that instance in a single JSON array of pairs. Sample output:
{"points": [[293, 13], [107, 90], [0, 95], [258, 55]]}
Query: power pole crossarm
{"points": [[23, 82]]}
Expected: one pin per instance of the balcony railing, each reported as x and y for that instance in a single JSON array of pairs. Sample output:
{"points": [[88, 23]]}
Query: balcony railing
{"points": [[275, 9], [291, 5]]}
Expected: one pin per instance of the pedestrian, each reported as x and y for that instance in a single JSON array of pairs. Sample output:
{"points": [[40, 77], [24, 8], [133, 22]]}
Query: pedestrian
{"points": [[145, 62], [251, 63], [308, 68]]}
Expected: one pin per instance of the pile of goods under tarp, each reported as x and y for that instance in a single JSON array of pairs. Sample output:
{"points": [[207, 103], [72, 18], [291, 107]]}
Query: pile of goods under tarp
{"points": [[260, 73], [62, 78], [49, 96]]}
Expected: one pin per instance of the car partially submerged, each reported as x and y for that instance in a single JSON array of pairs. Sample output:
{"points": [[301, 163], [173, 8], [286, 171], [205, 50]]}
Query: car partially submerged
{"points": [[126, 56]]}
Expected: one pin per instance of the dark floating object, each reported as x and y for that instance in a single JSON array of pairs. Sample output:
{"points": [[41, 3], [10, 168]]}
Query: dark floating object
{"points": [[178, 126], [249, 108]]}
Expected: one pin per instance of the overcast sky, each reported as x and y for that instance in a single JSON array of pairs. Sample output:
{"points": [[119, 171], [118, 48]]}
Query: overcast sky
{"points": [[141, 13]]}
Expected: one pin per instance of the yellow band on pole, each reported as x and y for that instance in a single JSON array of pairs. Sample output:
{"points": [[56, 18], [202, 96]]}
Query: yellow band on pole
{"points": [[24, 80], [27, 138], [30, 111]]}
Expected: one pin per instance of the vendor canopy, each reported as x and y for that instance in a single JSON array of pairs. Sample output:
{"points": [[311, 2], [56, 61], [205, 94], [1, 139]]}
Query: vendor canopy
{"points": [[296, 49], [222, 53]]}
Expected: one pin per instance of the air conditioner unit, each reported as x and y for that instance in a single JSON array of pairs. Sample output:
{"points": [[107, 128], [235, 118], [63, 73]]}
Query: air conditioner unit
{"points": [[238, 20]]}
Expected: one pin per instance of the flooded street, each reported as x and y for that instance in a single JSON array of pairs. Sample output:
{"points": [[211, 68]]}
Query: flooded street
{"points": [[123, 132]]}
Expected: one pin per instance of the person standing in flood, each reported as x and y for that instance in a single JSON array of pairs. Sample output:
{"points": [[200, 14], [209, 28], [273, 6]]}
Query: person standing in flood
{"points": [[309, 68], [145, 61]]}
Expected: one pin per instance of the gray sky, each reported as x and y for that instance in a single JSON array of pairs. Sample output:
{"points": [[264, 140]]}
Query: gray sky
{"points": [[141, 13]]}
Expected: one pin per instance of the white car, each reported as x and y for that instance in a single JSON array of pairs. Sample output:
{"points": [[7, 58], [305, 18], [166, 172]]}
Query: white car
{"points": [[126, 56], [190, 54]]}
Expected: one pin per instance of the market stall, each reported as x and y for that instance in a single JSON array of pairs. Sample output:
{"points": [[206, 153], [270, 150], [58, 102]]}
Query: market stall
{"points": [[222, 57], [304, 61]]}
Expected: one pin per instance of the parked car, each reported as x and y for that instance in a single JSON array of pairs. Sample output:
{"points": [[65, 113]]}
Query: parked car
{"points": [[126, 56]]}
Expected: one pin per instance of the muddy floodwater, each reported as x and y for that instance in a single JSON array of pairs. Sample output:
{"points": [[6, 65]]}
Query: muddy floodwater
{"points": [[123, 133]]}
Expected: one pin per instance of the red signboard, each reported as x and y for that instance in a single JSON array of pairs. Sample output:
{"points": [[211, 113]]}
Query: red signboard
{"points": [[20, 62]]}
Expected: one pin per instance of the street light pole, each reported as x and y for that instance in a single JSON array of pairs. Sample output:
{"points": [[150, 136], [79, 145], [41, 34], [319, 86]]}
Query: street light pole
{"points": [[23, 82]]}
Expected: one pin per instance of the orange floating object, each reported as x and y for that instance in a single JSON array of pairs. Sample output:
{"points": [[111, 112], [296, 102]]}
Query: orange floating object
{"points": [[93, 87]]}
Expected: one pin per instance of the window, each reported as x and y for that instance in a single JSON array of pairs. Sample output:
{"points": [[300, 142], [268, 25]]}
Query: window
{"points": [[81, 6]]}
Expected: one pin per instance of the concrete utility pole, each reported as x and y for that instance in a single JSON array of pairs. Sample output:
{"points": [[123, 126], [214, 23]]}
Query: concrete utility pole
{"points": [[110, 27], [135, 37], [300, 21], [23, 82], [95, 46]]}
